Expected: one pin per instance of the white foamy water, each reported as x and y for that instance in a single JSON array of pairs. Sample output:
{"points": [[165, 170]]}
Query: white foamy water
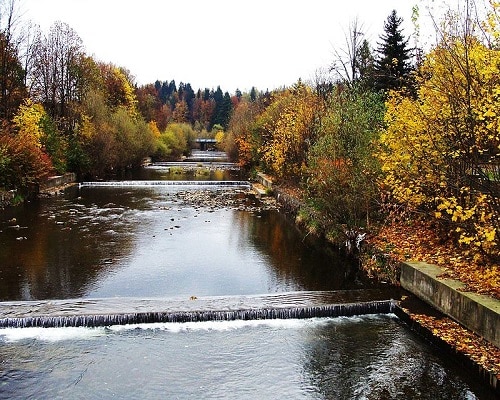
{"points": [[10, 335], [50, 334]]}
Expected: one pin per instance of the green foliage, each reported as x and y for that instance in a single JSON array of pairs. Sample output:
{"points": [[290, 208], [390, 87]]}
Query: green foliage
{"points": [[342, 170], [54, 143], [110, 138], [174, 142]]}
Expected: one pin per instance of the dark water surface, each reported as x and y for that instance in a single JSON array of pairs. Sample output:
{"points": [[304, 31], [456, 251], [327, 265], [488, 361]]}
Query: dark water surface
{"points": [[148, 242], [371, 357]]}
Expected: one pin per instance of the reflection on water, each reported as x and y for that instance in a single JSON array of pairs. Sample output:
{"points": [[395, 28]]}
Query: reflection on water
{"points": [[147, 242], [342, 358]]}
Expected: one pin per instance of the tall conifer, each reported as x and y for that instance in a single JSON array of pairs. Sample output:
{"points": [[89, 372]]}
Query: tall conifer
{"points": [[393, 66]]}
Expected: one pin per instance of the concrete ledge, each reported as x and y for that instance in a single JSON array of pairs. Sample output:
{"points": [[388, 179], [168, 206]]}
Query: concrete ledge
{"points": [[264, 180], [57, 181], [480, 314]]}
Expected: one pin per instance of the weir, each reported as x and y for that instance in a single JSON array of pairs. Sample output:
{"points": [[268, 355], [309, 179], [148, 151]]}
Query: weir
{"points": [[239, 184], [116, 311]]}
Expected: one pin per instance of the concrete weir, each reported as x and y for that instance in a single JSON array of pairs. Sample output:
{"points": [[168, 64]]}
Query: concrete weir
{"points": [[479, 313], [123, 311]]}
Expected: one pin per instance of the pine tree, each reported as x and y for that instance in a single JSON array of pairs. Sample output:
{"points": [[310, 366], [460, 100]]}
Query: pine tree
{"points": [[365, 64], [392, 66]]}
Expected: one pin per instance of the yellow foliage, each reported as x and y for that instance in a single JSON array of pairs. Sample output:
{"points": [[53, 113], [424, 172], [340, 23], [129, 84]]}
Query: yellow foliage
{"points": [[128, 90], [27, 121], [433, 144], [219, 137], [154, 128], [286, 124], [87, 129]]}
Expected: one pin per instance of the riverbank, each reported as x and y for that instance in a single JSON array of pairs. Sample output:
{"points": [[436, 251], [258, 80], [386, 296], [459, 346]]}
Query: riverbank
{"points": [[397, 243], [7, 198], [52, 186], [382, 257]]}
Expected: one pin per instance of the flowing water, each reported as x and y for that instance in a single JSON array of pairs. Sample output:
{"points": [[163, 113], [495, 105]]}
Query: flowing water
{"points": [[150, 250], [369, 357]]}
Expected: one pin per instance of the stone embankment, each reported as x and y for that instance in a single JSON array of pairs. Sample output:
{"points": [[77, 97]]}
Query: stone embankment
{"points": [[56, 184], [476, 313], [52, 186], [479, 313], [287, 203]]}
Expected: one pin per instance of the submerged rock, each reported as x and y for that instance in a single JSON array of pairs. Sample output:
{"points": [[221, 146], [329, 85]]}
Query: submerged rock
{"points": [[241, 200]]}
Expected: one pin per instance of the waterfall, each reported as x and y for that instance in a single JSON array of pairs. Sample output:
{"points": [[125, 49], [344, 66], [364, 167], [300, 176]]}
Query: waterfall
{"points": [[239, 184], [103, 312]]}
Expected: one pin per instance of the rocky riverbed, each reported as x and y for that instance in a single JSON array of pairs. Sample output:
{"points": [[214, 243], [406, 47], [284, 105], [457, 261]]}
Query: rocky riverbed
{"points": [[243, 200]]}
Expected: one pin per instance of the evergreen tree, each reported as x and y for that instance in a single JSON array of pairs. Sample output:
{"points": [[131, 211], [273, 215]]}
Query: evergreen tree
{"points": [[218, 115], [206, 94], [365, 64], [163, 93], [253, 94], [227, 109], [392, 66], [189, 96]]}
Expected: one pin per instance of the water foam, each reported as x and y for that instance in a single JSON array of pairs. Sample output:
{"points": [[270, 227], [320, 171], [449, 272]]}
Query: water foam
{"points": [[10, 335]]}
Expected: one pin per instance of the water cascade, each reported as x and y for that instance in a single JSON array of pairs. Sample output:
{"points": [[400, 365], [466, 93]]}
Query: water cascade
{"points": [[194, 164], [106, 312], [234, 184]]}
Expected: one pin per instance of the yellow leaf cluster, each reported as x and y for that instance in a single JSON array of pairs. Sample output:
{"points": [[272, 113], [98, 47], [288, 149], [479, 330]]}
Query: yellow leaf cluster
{"points": [[434, 144], [153, 127], [27, 121], [87, 129], [286, 125]]}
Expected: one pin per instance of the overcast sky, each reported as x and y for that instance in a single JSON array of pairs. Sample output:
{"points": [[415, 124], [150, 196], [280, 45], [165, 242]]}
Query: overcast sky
{"points": [[231, 43]]}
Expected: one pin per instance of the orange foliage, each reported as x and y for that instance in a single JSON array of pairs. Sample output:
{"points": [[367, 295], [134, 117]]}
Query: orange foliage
{"points": [[464, 341], [420, 241]]}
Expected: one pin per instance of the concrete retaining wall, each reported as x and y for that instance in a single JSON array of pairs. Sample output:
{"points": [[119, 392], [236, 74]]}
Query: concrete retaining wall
{"points": [[264, 180], [480, 314], [57, 181]]}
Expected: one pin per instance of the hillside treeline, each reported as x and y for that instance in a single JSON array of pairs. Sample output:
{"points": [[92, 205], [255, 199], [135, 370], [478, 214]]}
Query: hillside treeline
{"points": [[62, 110]]}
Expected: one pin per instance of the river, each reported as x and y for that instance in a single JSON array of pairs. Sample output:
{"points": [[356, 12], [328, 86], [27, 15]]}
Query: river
{"points": [[162, 242]]}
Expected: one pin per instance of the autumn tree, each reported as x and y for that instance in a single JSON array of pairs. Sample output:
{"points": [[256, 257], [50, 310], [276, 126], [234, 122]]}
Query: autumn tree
{"points": [[56, 75], [23, 159], [440, 152], [174, 142], [111, 135], [342, 170], [12, 88], [181, 112], [242, 139], [286, 128]]}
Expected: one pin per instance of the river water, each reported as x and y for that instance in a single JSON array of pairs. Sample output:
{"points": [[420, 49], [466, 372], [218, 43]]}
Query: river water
{"points": [[141, 241]]}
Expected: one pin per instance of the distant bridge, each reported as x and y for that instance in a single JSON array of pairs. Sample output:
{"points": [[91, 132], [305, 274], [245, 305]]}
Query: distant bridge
{"points": [[206, 144]]}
